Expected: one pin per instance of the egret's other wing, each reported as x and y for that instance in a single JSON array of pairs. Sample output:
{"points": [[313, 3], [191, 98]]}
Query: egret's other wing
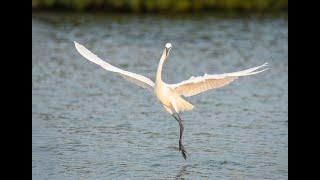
{"points": [[135, 78], [196, 85]]}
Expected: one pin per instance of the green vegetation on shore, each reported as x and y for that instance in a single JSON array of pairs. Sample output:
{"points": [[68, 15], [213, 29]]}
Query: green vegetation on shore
{"points": [[140, 6]]}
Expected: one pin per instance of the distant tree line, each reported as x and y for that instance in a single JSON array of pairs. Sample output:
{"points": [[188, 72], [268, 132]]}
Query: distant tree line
{"points": [[141, 6]]}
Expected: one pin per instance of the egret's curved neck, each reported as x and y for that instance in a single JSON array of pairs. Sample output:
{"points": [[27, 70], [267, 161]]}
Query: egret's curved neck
{"points": [[159, 70]]}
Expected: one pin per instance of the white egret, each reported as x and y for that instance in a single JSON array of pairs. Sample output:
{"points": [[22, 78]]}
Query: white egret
{"points": [[170, 95]]}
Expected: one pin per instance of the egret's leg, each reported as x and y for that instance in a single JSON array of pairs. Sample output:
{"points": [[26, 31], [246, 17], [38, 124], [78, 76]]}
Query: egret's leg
{"points": [[181, 147]]}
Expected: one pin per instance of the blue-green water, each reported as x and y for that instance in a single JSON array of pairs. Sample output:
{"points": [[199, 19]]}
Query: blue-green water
{"points": [[89, 124]]}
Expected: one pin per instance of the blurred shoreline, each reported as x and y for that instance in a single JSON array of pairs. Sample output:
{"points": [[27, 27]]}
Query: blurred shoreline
{"points": [[163, 6]]}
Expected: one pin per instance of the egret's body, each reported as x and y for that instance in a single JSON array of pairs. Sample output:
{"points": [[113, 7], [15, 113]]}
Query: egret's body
{"points": [[170, 95]]}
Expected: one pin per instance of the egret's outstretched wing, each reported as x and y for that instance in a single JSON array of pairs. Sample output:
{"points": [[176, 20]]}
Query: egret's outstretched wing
{"points": [[135, 78], [196, 85]]}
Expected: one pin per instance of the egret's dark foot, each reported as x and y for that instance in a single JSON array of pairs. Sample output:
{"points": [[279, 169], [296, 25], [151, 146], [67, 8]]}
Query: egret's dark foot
{"points": [[183, 152]]}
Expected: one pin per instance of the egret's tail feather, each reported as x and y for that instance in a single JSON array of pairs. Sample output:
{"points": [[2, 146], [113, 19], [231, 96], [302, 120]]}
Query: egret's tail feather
{"points": [[183, 105]]}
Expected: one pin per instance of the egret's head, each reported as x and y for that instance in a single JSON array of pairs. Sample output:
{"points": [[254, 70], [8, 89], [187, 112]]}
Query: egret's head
{"points": [[168, 48]]}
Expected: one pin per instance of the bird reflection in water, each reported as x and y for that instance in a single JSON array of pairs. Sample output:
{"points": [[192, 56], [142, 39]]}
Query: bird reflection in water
{"points": [[183, 171]]}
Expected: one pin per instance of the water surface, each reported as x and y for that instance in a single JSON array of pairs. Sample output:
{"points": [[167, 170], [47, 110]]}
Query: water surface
{"points": [[89, 124]]}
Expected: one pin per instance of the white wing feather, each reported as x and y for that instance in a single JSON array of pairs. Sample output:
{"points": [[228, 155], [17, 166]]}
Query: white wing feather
{"points": [[196, 85], [132, 77]]}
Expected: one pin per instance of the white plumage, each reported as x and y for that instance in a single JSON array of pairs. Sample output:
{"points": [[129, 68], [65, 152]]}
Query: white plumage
{"points": [[135, 78], [170, 95]]}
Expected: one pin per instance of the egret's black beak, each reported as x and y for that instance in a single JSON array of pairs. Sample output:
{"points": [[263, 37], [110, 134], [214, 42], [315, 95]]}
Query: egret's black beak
{"points": [[167, 51]]}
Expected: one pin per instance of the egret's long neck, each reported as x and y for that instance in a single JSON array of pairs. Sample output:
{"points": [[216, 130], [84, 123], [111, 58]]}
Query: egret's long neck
{"points": [[159, 71]]}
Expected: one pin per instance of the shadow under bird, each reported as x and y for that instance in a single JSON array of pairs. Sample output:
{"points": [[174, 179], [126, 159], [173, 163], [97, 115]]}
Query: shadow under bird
{"points": [[170, 95]]}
